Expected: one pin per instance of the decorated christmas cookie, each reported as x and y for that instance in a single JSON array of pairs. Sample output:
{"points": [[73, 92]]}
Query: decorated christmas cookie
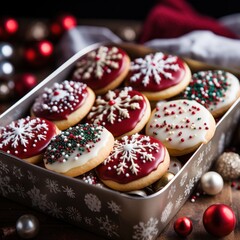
{"points": [[217, 90], [66, 103], [181, 125], [122, 112], [27, 138], [135, 162], [78, 149], [159, 76], [102, 69]]}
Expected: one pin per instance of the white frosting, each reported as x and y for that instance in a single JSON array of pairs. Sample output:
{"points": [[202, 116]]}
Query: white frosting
{"points": [[78, 161], [179, 124]]}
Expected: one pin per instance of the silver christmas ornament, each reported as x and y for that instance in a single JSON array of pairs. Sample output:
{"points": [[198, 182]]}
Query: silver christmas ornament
{"points": [[212, 183], [228, 165], [27, 226]]}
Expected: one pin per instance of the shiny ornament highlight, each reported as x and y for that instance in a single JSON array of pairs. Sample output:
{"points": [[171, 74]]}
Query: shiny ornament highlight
{"points": [[219, 220], [212, 183], [27, 226], [183, 226]]}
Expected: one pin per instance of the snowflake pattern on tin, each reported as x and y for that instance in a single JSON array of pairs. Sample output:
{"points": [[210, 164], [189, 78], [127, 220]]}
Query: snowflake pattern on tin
{"points": [[128, 148], [3, 168], [31, 177], [17, 172], [88, 221], [153, 65], [20, 191], [92, 202], [107, 226], [166, 212], [69, 191], [200, 159], [146, 231], [183, 179], [189, 186], [52, 186], [114, 105], [5, 186], [97, 62], [171, 191], [38, 199], [73, 214], [54, 210], [115, 208], [179, 201]]}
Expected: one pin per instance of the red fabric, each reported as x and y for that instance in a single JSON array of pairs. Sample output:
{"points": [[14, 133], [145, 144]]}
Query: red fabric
{"points": [[174, 18]]}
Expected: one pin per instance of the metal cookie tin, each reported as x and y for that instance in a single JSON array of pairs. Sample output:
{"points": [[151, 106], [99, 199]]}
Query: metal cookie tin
{"points": [[114, 215]]}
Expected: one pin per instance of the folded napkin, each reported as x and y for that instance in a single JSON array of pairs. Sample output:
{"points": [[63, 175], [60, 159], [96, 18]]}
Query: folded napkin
{"points": [[174, 18]]}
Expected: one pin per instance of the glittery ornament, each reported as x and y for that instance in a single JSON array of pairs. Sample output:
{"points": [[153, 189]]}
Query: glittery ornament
{"points": [[228, 165], [219, 220], [6, 69], [27, 226], [211, 183], [37, 31], [24, 83], [183, 226]]}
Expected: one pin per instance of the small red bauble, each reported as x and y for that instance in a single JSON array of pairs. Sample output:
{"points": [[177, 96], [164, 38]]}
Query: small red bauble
{"points": [[219, 220], [63, 23], [183, 226], [8, 27], [24, 83], [38, 53]]}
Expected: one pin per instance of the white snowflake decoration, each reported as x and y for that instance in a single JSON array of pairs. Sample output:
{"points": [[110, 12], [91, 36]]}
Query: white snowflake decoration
{"points": [[166, 212], [97, 62], [73, 214], [92, 202], [52, 186], [114, 207], [116, 107], [38, 199], [153, 65], [183, 179], [20, 132], [178, 201], [108, 226], [189, 186], [69, 191], [127, 149], [31, 177], [171, 191], [146, 231]]}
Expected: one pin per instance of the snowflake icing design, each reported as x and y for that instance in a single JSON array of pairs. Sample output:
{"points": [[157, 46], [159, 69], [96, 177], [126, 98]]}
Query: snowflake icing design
{"points": [[108, 226], [21, 131], [166, 212], [129, 148], [114, 207], [92, 202], [146, 231], [154, 65], [116, 107], [98, 62]]}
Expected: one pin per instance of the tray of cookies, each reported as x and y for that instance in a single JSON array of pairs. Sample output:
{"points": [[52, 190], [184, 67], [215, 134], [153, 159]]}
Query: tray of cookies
{"points": [[117, 138]]}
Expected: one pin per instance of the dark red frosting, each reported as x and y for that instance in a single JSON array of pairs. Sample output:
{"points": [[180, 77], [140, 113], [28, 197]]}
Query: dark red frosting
{"points": [[26, 137], [100, 67], [119, 110], [59, 101], [156, 72], [140, 152]]}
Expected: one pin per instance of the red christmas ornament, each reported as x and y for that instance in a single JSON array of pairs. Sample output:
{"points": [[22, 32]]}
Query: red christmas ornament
{"points": [[183, 226], [38, 53], [24, 83], [219, 220], [8, 28], [62, 24]]}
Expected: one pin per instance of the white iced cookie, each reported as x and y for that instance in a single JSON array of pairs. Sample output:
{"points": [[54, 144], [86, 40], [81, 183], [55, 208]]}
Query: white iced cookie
{"points": [[78, 149], [181, 125]]}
